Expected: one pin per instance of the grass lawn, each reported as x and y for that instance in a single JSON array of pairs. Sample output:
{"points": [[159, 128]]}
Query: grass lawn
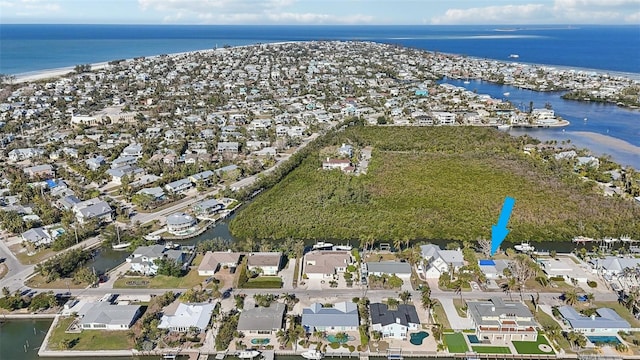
{"points": [[456, 343], [491, 349], [23, 256], [440, 316], [188, 281], [90, 339], [621, 310], [37, 282], [531, 347], [460, 304], [263, 282]]}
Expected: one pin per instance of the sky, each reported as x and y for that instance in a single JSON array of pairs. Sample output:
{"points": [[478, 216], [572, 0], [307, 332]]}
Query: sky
{"points": [[321, 12]]}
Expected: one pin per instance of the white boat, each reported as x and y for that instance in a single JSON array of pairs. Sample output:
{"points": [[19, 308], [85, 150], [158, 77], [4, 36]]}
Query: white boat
{"points": [[120, 246], [312, 354], [524, 247], [248, 354], [504, 127], [151, 237], [343, 247], [466, 82], [514, 56], [321, 245], [506, 94], [171, 245]]}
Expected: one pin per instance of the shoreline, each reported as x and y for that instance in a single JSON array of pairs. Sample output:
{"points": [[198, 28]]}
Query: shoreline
{"points": [[38, 75]]}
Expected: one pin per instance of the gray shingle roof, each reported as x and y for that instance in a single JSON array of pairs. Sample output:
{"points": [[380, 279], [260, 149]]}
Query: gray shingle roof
{"points": [[342, 314], [607, 319], [105, 313], [405, 315], [389, 267], [262, 318]]}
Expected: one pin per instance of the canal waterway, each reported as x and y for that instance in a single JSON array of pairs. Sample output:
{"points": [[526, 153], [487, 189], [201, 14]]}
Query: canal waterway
{"points": [[605, 129]]}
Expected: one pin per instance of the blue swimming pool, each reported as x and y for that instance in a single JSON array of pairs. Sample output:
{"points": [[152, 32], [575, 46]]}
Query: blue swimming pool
{"points": [[604, 339], [473, 339]]}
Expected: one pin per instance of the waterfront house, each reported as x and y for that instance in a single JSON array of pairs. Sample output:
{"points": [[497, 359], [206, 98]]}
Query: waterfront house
{"points": [[502, 321], [605, 322], [341, 316], [325, 264], [394, 324], [439, 261], [262, 320], [103, 315], [187, 317], [267, 262], [400, 269], [614, 265], [180, 224], [208, 207], [143, 259], [93, 209], [493, 269], [564, 268], [214, 260]]}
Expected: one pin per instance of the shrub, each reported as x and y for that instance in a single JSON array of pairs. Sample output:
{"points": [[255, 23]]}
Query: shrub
{"points": [[352, 348], [334, 345], [592, 284]]}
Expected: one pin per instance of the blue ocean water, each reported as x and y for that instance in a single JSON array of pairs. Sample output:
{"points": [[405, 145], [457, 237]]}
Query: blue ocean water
{"points": [[27, 48]]}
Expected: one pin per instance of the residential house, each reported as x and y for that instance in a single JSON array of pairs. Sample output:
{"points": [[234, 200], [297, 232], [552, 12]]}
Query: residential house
{"points": [[565, 268], [498, 320], [493, 269], [614, 265], [345, 150], [262, 320], [325, 264], [93, 209], [179, 186], [342, 316], [214, 260], [400, 269], [24, 154], [95, 163], [266, 262], [129, 171], [187, 317], [204, 177], [180, 223], [439, 261], [155, 192], [68, 202], [394, 324], [143, 259], [39, 171], [342, 164], [123, 161], [103, 315], [605, 322], [133, 150], [208, 207], [37, 237], [231, 147]]}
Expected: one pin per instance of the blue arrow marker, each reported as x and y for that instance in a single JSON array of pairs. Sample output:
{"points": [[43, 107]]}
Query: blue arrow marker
{"points": [[499, 231]]}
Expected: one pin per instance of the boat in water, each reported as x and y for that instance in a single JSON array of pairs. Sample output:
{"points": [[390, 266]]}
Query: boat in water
{"points": [[524, 247], [514, 56], [504, 127], [321, 245], [343, 247], [506, 94], [248, 354], [152, 237], [120, 246], [312, 354]]}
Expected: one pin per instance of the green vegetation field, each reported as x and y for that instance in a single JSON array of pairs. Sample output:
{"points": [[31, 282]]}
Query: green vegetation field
{"points": [[531, 347], [435, 183], [88, 339], [456, 343], [263, 282], [491, 349]]}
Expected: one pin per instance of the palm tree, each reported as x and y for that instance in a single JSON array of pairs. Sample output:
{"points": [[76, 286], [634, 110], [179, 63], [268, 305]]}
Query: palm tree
{"points": [[509, 286], [392, 303], [457, 287], [405, 296], [571, 297], [397, 244], [590, 298]]}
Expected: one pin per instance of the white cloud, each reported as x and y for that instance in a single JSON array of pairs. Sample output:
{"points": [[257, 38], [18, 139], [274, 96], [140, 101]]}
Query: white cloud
{"points": [[506, 14], [29, 8], [633, 18], [596, 11], [244, 11]]}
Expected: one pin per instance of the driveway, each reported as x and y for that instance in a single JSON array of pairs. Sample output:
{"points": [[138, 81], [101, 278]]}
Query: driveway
{"points": [[457, 322], [287, 275]]}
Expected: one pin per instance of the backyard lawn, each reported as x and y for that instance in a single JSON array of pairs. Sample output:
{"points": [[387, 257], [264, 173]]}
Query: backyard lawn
{"points": [[532, 347], [456, 343], [491, 349], [88, 339], [159, 281]]}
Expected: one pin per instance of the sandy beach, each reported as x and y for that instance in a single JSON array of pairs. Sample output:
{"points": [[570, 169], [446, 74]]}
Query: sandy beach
{"points": [[610, 141], [53, 73]]}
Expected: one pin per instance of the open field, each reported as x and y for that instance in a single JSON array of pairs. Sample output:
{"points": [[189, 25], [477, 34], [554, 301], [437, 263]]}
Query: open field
{"points": [[190, 280], [423, 183], [38, 282]]}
